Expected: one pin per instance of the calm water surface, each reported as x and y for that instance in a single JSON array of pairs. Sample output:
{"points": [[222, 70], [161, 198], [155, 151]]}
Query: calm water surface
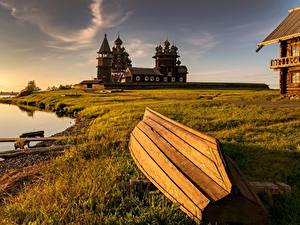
{"points": [[15, 120]]}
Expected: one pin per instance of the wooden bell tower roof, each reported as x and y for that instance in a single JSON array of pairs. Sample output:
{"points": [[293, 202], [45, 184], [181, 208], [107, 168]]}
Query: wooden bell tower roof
{"points": [[105, 48]]}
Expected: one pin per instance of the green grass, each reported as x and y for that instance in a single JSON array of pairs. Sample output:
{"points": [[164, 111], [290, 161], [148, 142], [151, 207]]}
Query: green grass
{"points": [[258, 129]]}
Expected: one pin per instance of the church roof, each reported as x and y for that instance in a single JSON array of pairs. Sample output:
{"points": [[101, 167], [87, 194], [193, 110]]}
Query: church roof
{"points": [[118, 41], [95, 81], [287, 29], [144, 71], [104, 46]]}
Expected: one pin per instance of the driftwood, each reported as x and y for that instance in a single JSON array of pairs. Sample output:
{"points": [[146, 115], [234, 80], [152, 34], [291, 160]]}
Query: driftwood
{"points": [[22, 142], [33, 134], [274, 189], [190, 169], [38, 150], [31, 139]]}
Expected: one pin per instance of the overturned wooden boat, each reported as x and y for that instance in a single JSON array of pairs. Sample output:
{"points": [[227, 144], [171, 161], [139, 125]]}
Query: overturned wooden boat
{"points": [[189, 168]]}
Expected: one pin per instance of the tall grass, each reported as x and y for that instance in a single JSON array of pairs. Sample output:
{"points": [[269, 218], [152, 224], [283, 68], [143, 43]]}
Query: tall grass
{"points": [[258, 130]]}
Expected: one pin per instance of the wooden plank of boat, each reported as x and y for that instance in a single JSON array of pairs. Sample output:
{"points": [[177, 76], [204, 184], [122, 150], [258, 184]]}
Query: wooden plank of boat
{"points": [[186, 165], [204, 144], [169, 187], [188, 173]]}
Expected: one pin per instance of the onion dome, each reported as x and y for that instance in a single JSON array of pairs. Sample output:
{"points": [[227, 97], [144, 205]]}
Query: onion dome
{"points": [[167, 44], [118, 41], [167, 47], [159, 49], [174, 49]]}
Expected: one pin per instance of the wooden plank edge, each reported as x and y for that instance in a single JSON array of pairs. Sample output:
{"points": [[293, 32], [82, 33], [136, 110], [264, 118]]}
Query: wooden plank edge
{"points": [[167, 194]]}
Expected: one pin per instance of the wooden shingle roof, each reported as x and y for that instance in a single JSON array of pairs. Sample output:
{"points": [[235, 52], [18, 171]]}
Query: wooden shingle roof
{"points": [[287, 29], [144, 71], [91, 82], [105, 48]]}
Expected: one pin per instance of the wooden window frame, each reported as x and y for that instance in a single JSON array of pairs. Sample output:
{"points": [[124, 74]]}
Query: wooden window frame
{"points": [[296, 78]]}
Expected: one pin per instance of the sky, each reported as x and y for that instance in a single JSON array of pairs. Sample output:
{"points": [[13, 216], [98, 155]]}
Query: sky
{"points": [[55, 41]]}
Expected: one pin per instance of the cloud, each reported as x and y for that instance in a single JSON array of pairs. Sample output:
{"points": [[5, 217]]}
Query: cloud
{"points": [[138, 48], [203, 41], [199, 45], [84, 35], [215, 72], [43, 15]]}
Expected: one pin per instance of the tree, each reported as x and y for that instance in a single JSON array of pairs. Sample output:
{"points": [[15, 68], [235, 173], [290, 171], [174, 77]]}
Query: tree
{"points": [[31, 86]]}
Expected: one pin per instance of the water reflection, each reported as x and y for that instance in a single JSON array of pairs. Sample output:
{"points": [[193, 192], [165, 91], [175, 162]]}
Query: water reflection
{"points": [[17, 120], [29, 112]]}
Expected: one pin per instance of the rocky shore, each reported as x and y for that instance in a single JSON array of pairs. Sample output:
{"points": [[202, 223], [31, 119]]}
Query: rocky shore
{"points": [[19, 171]]}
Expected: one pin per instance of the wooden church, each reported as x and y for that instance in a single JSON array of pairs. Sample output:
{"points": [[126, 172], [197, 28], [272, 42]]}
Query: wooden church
{"points": [[115, 66], [288, 63]]}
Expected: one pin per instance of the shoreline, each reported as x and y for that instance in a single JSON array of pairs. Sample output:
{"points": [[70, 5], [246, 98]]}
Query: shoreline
{"points": [[19, 171]]}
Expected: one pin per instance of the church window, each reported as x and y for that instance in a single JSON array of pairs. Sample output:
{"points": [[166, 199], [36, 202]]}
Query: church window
{"points": [[173, 79], [296, 78], [165, 79], [181, 79], [137, 78], [146, 78], [151, 78], [157, 79]]}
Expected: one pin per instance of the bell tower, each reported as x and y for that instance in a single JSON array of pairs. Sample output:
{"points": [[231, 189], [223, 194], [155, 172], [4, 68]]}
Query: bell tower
{"points": [[104, 58]]}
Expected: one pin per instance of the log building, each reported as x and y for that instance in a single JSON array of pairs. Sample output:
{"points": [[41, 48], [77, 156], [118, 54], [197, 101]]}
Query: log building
{"points": [[167, 68], [288, 62], [115, 66]]}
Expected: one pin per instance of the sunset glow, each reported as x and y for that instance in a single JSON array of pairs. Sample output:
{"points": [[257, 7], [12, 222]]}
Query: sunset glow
{"points": [[55, 42]]}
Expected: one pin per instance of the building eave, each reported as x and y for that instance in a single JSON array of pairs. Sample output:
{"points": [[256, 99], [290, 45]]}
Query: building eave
{"points": [[264, 43]]}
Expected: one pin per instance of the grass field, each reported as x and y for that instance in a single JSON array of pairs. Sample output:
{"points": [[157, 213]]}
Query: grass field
{"points": [[258, 129]]}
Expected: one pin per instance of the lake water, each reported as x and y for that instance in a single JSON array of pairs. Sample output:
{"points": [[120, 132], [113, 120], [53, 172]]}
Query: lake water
{"points": [[15, 120]]}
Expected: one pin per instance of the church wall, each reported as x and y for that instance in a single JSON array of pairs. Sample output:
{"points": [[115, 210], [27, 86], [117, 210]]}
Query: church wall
{"points": [[156, 79]]}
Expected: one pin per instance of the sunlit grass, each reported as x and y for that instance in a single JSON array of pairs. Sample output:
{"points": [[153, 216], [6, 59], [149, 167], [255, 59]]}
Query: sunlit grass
{"points": [[259, 130]]}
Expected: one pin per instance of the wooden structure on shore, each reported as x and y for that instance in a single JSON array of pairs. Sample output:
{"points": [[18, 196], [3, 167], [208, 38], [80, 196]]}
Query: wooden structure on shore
{"points": [[288, 63], [30, 139], [190, 169], [32, 151]]}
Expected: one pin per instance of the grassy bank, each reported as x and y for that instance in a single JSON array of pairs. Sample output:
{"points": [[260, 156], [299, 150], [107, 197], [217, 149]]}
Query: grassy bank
{"points": [[260, 131]]}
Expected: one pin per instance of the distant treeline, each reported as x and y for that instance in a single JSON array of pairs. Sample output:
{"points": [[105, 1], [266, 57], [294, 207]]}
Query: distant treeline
{"points": [[8, 93]]}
